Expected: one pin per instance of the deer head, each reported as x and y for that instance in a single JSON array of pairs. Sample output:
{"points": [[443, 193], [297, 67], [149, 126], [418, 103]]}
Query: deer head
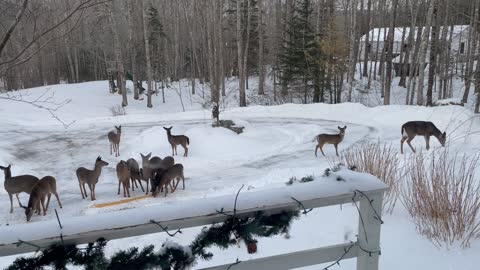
{"points": [[442, 138], [145, 158], [100, 162], [28, 212], [118, 129], [342, 130]]}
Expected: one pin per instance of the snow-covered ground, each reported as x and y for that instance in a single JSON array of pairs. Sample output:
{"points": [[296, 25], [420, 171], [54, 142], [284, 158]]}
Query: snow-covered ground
{"points": [[276, 145]]}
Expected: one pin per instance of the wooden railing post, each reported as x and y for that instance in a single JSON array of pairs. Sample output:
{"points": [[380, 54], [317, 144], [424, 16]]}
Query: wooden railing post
{"points": [[369, 232]]}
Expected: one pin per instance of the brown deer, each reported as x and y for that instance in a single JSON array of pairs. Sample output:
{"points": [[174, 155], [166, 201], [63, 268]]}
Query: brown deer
{"points": [[413, 128], [17, 184], [90, 177], [114, 139], [149, 165], [42, 189], [334, 139], [123, 174], [175, 140], [135, 173], [164, 179]]}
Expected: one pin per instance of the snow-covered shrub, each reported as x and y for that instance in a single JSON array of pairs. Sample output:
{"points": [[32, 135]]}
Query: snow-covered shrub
{"points": [[118, 110], [442, 195], [382, 161]]}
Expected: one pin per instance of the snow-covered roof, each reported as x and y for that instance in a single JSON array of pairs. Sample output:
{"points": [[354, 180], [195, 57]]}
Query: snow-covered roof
{"points": [[375, 32]]}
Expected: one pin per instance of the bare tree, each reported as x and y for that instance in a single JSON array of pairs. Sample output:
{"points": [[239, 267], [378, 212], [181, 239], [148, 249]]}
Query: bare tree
{"points": [[146, 36]]}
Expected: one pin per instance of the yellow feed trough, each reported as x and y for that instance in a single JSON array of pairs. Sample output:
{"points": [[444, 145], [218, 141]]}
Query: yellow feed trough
{"points": [[107, 204]]}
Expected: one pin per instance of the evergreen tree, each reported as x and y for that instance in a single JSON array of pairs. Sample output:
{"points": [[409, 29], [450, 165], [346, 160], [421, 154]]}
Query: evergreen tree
{"points": [[156, 35], [300, 61]]}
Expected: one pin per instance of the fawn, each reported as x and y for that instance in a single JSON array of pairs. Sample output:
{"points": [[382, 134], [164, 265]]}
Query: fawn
{"points": [[413, 128], [17, 184], [114, 139], [163, 180], [175, 140], [90, 177], [149, 165], [42, 189], [334, 139], [123, 174], [135, 173]]}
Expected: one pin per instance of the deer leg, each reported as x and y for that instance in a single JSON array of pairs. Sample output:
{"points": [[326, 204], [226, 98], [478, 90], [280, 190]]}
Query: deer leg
{"points": [[173, 153], [183, 181], [118, 149], [176, 152], [58, 199], [401, 144], [81, 190], [118, 192], [84, 190], [140, 182], [48, 201], [427, 141], [42, 201], [133, 183], [336, 148], [146, 193], [11, 202], [128, 189], [321, 149], [316, 148], [18, 199], [94, 197], [111, 148], [91, 192], [409, 144]]}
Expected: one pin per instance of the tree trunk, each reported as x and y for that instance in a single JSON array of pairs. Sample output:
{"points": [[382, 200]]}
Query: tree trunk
{"points": [[423, 52], [433, 54], [132, 45], [471, 51], [240, 58], [353, 34], [388, 81], [118, 55], [147, 53], [261, 67], [367, 39]]}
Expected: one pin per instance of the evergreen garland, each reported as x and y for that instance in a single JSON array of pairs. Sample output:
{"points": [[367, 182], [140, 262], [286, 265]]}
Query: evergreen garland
{"points": [[170, 256]]}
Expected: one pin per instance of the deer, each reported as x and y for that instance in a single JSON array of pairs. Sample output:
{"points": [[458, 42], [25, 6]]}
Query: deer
{"points": [[17, 184], [90, 177], [123, 174], [135, 173], [334, 139], [114, 139], [149, 165], [164, 179], [175, 140], [42, 189], [422, 128]]}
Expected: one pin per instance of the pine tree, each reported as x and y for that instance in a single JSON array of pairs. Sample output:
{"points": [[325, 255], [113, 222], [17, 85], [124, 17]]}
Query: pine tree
{"points": [[300, 58]]}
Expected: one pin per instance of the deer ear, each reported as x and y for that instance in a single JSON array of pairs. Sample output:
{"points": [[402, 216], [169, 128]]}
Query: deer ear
{"points": [[444, 134], [9, 166], [339, 127], [345, 127], [99, 158]]}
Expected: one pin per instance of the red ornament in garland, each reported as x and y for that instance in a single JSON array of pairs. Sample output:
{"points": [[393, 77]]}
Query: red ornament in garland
{"points": [[252, 247]]}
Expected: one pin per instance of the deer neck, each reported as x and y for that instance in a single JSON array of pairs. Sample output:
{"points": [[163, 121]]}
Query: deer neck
{"points": [[97, 171], [8, 175]]}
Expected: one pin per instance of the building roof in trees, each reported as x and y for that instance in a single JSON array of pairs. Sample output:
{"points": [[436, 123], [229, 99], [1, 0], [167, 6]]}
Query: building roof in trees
{"points": [[458, 30]]}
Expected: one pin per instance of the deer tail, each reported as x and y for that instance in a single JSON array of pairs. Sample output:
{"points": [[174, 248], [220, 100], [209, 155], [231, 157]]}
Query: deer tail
{"points": [[404, 132], [188, 140], [315, 138]]}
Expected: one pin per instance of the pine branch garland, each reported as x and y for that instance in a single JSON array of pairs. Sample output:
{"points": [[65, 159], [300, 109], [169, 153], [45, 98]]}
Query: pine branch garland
{"points": [[171, 255]]}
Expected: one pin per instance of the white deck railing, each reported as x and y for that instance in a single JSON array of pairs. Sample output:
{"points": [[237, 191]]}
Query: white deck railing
{"points": [[198, 212]]}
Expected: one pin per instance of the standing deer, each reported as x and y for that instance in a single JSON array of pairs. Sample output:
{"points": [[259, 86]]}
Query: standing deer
{"points": [[334, 139], [17, 184], [422, 128], [90, 177], [42, 189], [114, 139], [123, 174], [135, 173], [164, 179], [149, 165], [175, 140]]}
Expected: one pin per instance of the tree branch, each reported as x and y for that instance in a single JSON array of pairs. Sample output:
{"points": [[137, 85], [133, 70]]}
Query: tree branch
{"points": [[13, 25]]}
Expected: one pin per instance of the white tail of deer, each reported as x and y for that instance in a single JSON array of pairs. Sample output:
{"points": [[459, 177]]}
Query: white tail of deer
{"points": [[422, 128], [334, 139], [114, 139]]}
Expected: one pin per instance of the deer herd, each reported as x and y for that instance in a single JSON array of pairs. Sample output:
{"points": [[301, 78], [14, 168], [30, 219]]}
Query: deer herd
{"points": [[160, 174]]}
